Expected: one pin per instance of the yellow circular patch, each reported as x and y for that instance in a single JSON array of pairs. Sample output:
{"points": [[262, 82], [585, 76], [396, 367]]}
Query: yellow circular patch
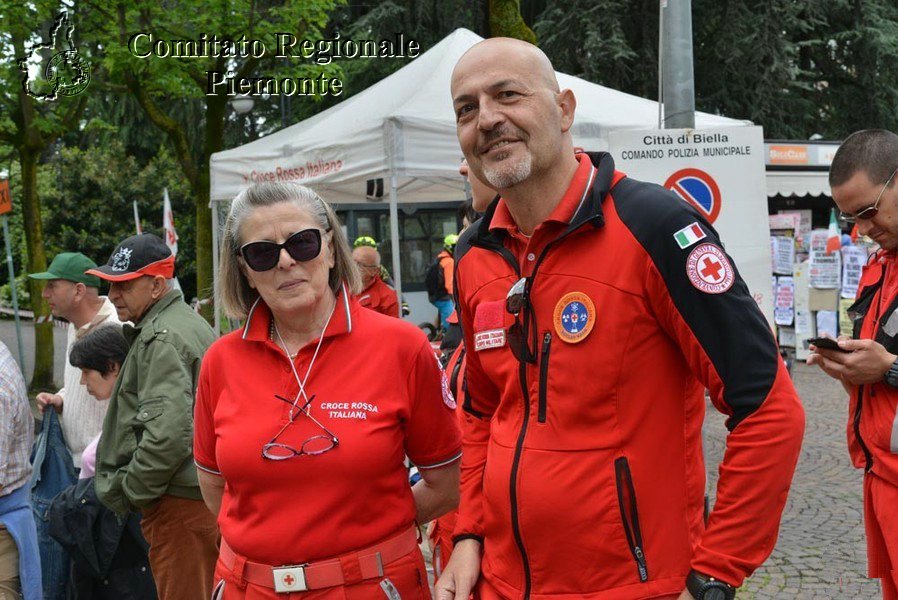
{"points": [[575, 314]]}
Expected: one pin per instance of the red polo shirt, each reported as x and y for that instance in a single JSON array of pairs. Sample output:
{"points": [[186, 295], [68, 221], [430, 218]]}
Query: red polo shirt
{"points": [[527, 249], [377, 387], [380, 297]]}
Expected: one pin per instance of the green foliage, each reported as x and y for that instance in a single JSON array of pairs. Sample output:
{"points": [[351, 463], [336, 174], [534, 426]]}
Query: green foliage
{"points": [[22, 295], [93, 208], [796, 67], [87, 205], [425, 21], [858, 57], [592, 40]]}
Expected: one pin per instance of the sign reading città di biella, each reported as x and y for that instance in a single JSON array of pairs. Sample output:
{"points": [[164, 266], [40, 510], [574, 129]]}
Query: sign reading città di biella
{"points": [[320, 52]]}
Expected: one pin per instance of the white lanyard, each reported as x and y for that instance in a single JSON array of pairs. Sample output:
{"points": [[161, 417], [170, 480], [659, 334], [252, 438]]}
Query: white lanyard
{"points": [[302, 382]]}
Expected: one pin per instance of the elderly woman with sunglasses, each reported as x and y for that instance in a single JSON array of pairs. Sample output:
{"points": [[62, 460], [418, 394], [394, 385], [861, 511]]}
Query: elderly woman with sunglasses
{"points": [[304, 417]]}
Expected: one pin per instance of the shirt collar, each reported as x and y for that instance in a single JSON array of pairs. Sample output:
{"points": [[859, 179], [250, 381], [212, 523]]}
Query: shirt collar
{"points": [[566, 207], [258, 321], [107, 310]]}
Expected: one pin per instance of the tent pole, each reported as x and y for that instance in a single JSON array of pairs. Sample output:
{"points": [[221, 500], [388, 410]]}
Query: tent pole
{"points": [[215, 258], [394, 236]]}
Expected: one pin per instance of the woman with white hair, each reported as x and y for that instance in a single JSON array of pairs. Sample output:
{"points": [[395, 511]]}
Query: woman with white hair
{"points": [[304, 417]]}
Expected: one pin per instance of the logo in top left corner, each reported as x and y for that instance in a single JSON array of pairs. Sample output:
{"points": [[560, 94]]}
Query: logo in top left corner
{"points": [[55, 68]]}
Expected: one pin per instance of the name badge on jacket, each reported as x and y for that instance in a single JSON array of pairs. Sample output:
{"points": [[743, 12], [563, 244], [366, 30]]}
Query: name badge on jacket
{"points": [[489, 330]]}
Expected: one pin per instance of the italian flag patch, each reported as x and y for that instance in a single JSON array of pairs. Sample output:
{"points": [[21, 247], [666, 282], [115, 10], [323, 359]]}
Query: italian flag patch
{"points": [[689, 235]]}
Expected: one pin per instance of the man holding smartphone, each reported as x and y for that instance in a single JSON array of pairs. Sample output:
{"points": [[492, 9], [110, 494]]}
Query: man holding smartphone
{"points": [[862, 178]]}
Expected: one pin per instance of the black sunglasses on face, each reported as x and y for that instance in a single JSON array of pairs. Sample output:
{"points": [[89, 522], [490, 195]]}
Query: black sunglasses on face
{"points": [[263, 255]]}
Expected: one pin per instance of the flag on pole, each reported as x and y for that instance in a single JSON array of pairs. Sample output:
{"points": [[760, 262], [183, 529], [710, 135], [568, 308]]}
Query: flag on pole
{"points": [[834, 237], [168, 224], [137, 219]]}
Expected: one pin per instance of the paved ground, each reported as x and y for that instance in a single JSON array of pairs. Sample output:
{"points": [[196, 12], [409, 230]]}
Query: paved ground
{"points": [[8, 337], [821, 551]]}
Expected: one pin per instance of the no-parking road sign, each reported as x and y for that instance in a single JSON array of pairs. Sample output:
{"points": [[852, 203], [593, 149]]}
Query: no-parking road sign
{"points": [[698, 189]]}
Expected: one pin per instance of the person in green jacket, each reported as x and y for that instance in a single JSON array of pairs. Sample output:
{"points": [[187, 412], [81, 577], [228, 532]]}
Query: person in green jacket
{"points": [[145, 454]]}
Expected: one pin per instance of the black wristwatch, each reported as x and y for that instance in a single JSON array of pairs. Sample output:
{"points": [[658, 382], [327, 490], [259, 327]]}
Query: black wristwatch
{"points": [[703, 587], [891, 376]]}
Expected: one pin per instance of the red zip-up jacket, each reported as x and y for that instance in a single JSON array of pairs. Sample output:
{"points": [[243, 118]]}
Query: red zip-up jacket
{"points": [[873, 409], [592, 482]]}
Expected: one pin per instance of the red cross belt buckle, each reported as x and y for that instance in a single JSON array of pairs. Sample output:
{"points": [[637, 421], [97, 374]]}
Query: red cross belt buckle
{"points": [[290, 578]]}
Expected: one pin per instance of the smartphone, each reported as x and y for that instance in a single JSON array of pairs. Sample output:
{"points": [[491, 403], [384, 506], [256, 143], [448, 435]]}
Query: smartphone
{"points": [[825, 343]]}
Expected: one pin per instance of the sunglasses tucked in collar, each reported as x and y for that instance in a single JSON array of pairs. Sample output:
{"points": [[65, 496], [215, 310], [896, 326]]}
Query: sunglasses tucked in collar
{"points": [[517, 303], [872, 210]]}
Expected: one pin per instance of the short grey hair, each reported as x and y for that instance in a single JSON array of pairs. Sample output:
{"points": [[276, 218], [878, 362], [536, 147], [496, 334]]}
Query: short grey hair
{"points": [[234, 293]]}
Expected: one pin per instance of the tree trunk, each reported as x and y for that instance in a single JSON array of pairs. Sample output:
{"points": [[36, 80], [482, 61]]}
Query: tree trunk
{"points": [[506, 21], [205, 278], [37, 262]]}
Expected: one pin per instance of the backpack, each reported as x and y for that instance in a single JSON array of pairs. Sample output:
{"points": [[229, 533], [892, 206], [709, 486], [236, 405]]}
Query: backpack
{"points": [[435, 281]]}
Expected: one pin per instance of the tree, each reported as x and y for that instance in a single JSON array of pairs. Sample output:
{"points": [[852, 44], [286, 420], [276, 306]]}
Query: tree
{"points": [[32, 117], [506, 21], [425, 21], [92, 204], [747, 63], [162, 84], [796, 67], [856, 56], [600, 41]]}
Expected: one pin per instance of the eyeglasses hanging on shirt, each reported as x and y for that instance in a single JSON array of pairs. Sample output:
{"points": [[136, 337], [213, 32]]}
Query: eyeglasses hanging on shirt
{"points": [[313, 446]]}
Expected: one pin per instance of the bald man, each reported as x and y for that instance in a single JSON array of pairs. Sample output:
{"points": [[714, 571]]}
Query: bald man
{"points": [[596, 309], [375, 294]]}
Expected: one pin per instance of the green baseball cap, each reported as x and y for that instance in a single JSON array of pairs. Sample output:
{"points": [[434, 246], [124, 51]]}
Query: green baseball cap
{"points": [[70, 266]]}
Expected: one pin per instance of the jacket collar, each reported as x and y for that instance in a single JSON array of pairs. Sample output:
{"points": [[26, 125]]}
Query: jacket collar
{"points": [[589, 211], [164, 302]]}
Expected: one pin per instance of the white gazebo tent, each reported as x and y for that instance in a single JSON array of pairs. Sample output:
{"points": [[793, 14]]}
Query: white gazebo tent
{"points": [[402, 130]]}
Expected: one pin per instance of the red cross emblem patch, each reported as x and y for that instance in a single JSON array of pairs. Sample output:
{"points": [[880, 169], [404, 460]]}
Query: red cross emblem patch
{"points": [[709, 269], [289, 579]]}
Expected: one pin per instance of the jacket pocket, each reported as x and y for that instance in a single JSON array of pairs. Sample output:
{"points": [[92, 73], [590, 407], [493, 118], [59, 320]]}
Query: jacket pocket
{"points": [[544, 377], [626, 498], [149, 410]]}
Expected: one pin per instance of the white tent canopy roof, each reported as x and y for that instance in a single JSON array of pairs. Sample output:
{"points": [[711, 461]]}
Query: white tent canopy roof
{"points": [[405, 125]]}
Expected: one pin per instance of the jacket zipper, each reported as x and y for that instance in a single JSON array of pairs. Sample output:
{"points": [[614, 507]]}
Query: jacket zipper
{"points": [[868, 457], [453, 380], [513, 487], [544, 377], [626, 497]]}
